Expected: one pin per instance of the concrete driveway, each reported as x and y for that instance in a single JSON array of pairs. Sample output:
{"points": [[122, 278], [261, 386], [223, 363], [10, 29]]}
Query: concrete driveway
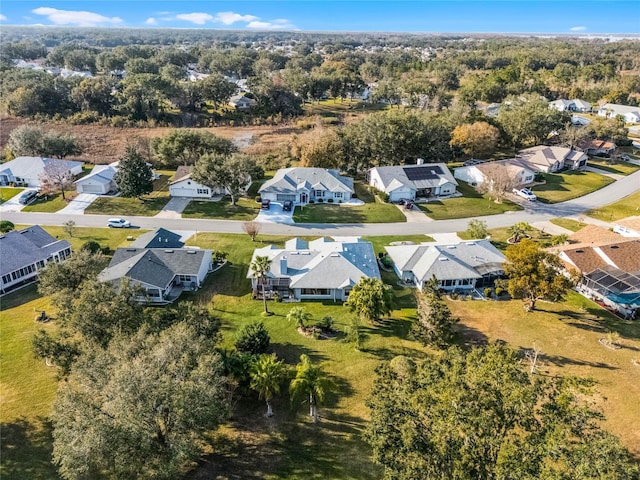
{"points": [[174, 207], [78, 205], [275, 214], [12, 205]]}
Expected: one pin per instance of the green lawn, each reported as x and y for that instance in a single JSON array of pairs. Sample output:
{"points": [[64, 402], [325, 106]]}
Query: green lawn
{"points": [[560, 187], [245, 209], [340, 213], [471, 204], [8, 192], [50, 203], [620, 168], [627, 207], [568, 223], [148, 206], [106, 237]]}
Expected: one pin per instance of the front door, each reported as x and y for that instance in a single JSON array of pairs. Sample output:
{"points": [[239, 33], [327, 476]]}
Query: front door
{"points": [[304, 198]]}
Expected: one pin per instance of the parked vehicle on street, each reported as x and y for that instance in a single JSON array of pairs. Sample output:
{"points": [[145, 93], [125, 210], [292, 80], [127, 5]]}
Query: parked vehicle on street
{"points": [[118, 223], [525, 193]]}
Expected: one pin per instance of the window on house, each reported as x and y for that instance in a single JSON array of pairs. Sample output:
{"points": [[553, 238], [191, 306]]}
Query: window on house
{"points": [[315, 291], [337, 195], [318, 193], [40, 263], [6, 278], [203, 191]]}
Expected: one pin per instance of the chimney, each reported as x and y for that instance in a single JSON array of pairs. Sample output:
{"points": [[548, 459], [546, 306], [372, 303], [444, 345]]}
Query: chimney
{"points": [[283, 265], [420, 161]]}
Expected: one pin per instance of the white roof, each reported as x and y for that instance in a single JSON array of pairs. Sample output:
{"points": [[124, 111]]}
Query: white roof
{"points": [[33, 167], [101, 173], [289, 180]]}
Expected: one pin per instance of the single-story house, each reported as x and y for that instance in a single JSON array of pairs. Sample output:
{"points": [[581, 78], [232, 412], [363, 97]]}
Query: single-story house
{"points": [[240, 102], [611, 110], [99, 181], [581, 105], [413, 181], [26, 171], [184, 186], [600, 147], [303, 185], [575, 105], [610, 273], [460, 266], [319, 269], [628, 227], [158, 238], [518, 171], [553, 159], [25, 252], [579, 121], [163, 273]]}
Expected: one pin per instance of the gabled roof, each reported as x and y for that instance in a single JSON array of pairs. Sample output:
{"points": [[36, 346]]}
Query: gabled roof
{"points": [[101, 174], [581, 104], [19, 248], [447, 262], [632, 223], [415, 177], [547, 156], [156, 267], [159, 238], [623, 255], [620, 109], [322, 263], [182, 173], [288, 180], [33, 167]]}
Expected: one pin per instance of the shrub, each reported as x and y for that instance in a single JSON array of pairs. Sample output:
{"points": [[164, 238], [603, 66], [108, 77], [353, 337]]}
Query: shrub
{"points": [[91, 246], [477, 229], [258, 199], [454, 296], [252, 338], [384, 196], [487, 292], [326, 323], [330, 200], [320, 200], [6, 226], [499, 291]]}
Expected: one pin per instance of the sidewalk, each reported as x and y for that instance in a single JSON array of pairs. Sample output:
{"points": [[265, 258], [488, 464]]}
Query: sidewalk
{"points": [[615, 176]]}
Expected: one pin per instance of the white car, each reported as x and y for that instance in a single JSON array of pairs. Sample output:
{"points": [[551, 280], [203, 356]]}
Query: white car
{"points": [[525, 193], [118, 223]]}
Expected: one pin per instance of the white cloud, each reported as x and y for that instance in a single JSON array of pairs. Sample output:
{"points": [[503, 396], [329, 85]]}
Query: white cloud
{"points": [[79, 18], [197, 18], [229, 18], [278, 24], [151, 21], [2, 18], [580, 28]]}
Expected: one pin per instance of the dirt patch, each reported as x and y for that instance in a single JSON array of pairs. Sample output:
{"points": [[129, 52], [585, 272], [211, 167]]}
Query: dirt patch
{"points": [[103, 144]]}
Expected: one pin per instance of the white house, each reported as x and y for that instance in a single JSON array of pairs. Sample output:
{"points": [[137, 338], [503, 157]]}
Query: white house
{"points": [[628, 227], [240, 102], [518, 171], [611, 110], [25, 252], [184, 186], [163, 273], [575, 105], [319, 269], [461, 266], [552, 159], [307, 185], [99, 181], [413, 181], [26, 171]]}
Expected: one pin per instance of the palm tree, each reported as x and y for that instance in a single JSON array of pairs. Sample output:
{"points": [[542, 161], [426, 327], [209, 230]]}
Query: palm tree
{"points": [[261, 266], [519, 231], [299, 315], [266, 375], [310, 380]]}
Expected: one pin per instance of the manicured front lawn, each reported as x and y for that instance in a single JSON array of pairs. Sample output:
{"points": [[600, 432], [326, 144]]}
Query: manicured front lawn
{"points": [[50, 203], [568, 223], [245, 209], [620, 168], [627, 207], [8, 192], [560, 187], [148, 206], [340, 213], [471, 204]]}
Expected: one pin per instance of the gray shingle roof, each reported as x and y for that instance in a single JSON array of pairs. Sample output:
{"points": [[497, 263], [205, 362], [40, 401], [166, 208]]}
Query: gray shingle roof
{"points": [[33, 167], [288, 180], [394, 176], [26, 247], [159, 238]]}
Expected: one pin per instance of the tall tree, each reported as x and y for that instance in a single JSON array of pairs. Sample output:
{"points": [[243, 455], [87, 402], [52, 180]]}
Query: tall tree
{"points": [[477, 139], [233, 173], [134, 176], [185, 147], [56, 177], [312, 383], [139, 408], [267, 374], [434, 321], [498, 181], [534, 274], [260, 268], [25, 140], [507, 424], [370, 298]]}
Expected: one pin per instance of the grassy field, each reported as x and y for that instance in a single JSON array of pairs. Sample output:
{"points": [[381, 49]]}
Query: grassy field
{"points": [[8, 192], [560, 187], [50, 203], [148, 206], [568, 223], [627, 207], [106, 237], [620, 168], [471, 204], [245, 209]]}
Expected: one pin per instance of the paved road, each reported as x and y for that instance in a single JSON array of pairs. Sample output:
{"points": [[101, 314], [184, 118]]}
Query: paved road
{"points": [[534, 212]]}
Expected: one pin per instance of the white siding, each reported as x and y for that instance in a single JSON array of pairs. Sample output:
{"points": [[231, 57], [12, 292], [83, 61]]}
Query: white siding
{"points": [[469, 174], [189, 188]]}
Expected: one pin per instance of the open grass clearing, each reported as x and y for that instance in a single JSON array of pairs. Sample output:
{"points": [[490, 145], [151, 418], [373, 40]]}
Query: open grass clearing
{"points": [[619, 168], [568, 223], [471, 204], [147, 206], [627, 207], [7, 193], [245, 209], [560, 187], [568, 334], [50, 203], [499, 236], [340, 213]]}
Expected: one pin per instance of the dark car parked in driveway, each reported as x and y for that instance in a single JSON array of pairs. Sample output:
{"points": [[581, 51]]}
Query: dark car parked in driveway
{"points": [[27, 197], [265, 205], [287, 206]]}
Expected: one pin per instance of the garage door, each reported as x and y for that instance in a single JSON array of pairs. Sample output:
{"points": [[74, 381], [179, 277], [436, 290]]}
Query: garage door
{"points": [[283, 197], [91, 189]]}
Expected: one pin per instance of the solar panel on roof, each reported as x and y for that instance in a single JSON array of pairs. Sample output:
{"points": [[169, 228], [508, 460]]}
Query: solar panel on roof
{"points": [[425, 172]]}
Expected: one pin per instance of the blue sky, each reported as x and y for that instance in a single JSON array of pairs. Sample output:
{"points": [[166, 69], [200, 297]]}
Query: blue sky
{"points": [[506, 16]]}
